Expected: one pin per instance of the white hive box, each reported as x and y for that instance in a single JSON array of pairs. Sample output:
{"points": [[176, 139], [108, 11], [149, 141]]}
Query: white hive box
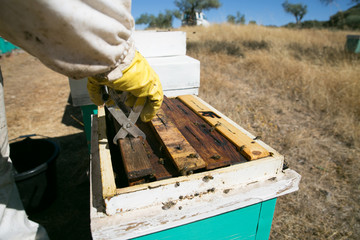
{"points": [[166, 53], [160, 44], [179, 75]]}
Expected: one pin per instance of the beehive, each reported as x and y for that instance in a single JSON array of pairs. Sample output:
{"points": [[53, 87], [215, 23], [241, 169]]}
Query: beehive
{"points": [[194, 163]]}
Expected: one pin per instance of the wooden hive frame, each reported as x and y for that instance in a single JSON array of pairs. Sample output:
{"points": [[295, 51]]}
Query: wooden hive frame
{"points": [[172, 201]]}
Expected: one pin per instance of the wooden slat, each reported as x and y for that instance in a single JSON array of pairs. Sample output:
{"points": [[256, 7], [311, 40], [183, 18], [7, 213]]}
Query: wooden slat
{"points": [[95, 172], [107, 174], [134, 157], [158, 164], [184, 156], [161, 163], [247, 146], [216, 150]]}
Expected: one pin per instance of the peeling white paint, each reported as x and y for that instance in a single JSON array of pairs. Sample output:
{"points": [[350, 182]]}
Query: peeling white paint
{"points": [[153, 217], [156, 193]]}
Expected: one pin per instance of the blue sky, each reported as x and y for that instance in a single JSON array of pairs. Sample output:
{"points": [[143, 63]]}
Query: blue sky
{"points": [[265, 12]]}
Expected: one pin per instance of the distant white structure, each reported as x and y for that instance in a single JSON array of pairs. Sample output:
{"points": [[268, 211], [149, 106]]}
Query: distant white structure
{"points": [[198, 19]]}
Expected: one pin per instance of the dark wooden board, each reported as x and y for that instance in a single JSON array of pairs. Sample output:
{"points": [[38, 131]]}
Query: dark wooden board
{"points": [[180, 151], [135, 159], [248, 147], [140, 161], [215, 149], [162, 165]]}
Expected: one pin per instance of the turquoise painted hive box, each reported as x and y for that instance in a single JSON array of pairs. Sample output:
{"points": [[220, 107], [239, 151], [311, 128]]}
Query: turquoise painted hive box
{"points": [[6, 46], [353, 43]]}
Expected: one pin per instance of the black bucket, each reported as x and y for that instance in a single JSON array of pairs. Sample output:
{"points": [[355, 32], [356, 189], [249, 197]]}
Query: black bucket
{"points": [[35, 163]]}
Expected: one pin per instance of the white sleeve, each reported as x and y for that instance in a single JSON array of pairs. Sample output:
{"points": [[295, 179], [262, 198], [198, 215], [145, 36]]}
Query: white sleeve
{"points": [[78, 38]]}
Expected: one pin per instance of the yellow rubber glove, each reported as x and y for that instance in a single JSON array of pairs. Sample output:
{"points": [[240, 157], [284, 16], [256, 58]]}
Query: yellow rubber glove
{"points": [[140, 80]]}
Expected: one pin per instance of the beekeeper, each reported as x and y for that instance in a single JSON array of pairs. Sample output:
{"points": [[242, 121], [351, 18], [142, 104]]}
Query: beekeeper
{"points": [[77, 38]]}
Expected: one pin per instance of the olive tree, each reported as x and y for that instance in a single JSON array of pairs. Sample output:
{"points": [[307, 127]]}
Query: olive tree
{"points": [[162, 20], [190, 7], [238, 19], [298, 10]]}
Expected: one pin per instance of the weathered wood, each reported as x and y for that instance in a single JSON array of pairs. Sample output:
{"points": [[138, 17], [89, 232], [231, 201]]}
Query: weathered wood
{"points": [[134, 157], [151, 217], [96, 192], [184, 156], [158, 164], [107, 174], [247, 146], [215, 149], [161, 163], [217, 181]]}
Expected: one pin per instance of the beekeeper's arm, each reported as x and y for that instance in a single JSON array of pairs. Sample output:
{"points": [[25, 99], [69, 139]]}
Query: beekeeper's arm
{"points": [[82, 39]]}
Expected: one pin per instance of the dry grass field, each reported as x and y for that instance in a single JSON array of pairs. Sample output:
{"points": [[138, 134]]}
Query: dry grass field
{"points": [[300, 91], [297, 89]]}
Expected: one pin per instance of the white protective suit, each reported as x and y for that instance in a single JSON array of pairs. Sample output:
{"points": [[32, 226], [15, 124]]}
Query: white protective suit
{"points": [[77, 38]]}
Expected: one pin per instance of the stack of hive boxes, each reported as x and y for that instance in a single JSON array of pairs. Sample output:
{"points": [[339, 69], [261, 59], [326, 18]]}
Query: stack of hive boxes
{"points": [[166, 53]]}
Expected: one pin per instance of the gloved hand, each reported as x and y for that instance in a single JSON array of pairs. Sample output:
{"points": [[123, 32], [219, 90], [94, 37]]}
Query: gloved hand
{"points": [[140, 80]]}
